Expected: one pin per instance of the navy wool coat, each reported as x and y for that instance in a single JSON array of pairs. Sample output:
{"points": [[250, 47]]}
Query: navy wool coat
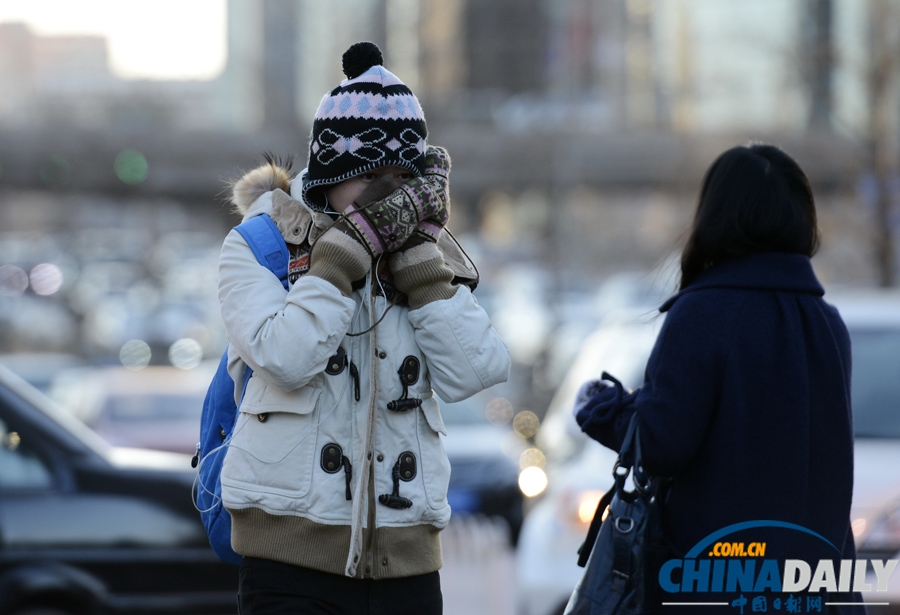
{"points": [[746, 404]]}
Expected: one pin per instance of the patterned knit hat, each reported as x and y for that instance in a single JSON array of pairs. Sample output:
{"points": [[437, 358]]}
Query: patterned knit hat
{"points": [[370, 120]]}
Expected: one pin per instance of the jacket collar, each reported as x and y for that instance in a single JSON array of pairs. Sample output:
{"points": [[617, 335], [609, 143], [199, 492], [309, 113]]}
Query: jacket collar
{"points": [[776, 271]]}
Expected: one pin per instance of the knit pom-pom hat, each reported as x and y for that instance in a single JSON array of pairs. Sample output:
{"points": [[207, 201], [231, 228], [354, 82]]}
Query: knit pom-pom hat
{"points": [[370, 120]]}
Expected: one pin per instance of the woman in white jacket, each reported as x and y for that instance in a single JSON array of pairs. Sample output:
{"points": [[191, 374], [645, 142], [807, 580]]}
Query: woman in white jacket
{"points": [[335, 477]]}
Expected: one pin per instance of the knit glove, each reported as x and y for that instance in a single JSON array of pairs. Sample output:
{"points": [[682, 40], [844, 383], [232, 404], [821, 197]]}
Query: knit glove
{"points": [[603, 410], [437, 174], [340, 255], [418, 266], [418, 205], [382, 220]]}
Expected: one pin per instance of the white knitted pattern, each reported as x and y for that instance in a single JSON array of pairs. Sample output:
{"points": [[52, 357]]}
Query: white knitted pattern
{"points": [[375, 74], [368, 145], [369, 106]]}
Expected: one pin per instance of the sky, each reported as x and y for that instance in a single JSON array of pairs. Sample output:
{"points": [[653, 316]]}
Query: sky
{"points": [[148, 39]]}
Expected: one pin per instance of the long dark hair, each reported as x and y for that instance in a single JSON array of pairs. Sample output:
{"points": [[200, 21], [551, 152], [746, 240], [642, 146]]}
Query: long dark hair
{"points": [[754, 198]]}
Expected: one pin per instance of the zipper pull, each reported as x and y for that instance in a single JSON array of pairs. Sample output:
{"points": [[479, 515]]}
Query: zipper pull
{"points": [[195, 460]]}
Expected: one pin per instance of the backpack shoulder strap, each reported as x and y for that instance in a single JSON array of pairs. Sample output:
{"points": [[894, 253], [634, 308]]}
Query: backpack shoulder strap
{"points": [[262, 235]]}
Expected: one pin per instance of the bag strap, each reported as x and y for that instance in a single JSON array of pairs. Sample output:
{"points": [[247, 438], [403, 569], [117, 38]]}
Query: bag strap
{"points": [[622, 462], [584, 551], [268, 245]]}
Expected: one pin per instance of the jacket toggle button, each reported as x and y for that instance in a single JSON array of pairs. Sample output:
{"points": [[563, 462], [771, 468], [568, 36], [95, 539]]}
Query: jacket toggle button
{"points": [[337, 362], [403, 470], [409, 374], [333, 459]]}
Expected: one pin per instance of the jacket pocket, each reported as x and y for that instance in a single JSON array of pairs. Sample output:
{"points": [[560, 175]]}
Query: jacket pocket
{"points": [[262, 397], [435, 466], [273, 447]]}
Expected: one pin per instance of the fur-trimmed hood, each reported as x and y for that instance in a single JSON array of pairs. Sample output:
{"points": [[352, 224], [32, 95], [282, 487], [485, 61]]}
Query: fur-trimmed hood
{"points": [[268, 189], [254, 184]]}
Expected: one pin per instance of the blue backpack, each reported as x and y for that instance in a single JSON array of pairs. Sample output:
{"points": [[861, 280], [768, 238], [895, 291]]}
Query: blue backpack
{"points": [[219, 410]]}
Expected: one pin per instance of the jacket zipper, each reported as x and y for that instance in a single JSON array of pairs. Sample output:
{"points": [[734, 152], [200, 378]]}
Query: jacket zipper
{"points": [[370, 440]]}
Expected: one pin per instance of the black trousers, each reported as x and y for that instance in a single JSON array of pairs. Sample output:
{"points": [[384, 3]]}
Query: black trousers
{"points": [[273, 588]]}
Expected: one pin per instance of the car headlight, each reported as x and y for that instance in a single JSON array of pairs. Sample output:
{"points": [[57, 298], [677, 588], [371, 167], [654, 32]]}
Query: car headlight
{"points": [[880, 535], [577, 507], [532, 481], [587, 504]]}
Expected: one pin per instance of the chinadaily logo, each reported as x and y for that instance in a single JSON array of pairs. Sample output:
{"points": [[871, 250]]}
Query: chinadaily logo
{"points": [[730, 564]]}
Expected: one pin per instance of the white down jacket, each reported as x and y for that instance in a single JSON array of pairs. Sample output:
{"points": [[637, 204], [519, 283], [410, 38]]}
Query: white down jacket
{"points": [[315, 444]]}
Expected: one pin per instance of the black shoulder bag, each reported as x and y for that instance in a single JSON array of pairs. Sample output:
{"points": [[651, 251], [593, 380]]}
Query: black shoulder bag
{"points": [[625, 546]]}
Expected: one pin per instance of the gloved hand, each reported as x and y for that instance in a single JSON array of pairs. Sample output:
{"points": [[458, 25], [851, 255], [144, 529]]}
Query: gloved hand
{"points": [[418, 266], [384, 224], [383, 220], [340, 255], [437, 173], [600, 409], [584, 406]]}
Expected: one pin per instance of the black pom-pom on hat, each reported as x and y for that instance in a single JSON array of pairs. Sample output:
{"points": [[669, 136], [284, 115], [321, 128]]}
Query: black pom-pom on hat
{"points": [[360, 58]]}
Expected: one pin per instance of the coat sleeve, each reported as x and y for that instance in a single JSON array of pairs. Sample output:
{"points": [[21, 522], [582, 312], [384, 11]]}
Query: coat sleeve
{"points": [[284, 336], [463, 352], [680, 394]]}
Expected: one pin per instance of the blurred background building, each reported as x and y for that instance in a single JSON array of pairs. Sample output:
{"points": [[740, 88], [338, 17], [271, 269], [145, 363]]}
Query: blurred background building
{"points": [[579, 130]]}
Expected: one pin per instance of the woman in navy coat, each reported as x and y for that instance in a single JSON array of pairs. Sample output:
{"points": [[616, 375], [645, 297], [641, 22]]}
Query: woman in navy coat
{"points": [[746, 401]]}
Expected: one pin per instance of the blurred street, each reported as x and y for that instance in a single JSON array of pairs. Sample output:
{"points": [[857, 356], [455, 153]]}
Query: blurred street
{"points": [[478, 577], [579, 132]]}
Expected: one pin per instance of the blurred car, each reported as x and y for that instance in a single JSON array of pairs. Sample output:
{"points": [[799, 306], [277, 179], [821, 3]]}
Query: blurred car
{"points": [[580, 470], [157, 407], [484, 462], [90, 528], [39, 369]]}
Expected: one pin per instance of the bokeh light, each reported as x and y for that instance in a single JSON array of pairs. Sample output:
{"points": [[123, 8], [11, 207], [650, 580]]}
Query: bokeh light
{"points": [[532, 457], [131, 167], [186, 353], [11, 441], [13, 280], [526, 424], [135, 354], [532, 481], [499, 411], [587, 505], [46, 279]]}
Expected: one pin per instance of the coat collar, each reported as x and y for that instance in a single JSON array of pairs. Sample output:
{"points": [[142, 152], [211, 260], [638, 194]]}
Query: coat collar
{"points": [[777, 271]]}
